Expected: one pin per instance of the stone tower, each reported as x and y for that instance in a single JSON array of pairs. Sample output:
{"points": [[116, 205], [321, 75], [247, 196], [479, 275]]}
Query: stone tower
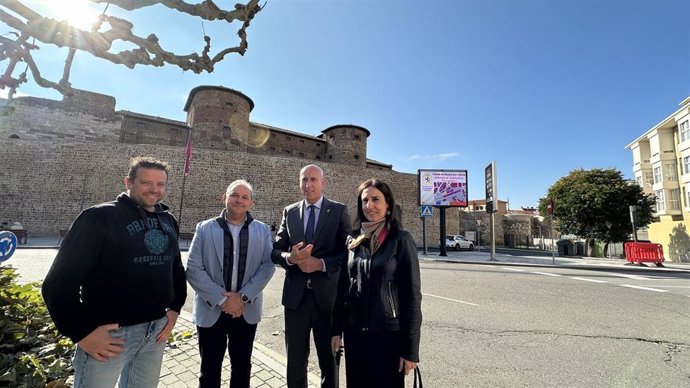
{"points": [[346, 143], [219, 117]]}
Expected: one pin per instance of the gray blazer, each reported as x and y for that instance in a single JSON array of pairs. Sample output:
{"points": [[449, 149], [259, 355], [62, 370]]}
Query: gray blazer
{"points": [[205, 271]]}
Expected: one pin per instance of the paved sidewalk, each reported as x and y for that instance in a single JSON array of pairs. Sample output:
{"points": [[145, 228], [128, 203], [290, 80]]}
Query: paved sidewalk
{"points": [[523, 257], [181, 363]]}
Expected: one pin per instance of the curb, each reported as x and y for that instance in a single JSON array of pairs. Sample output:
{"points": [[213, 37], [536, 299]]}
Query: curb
{"points": [[587, 266]]}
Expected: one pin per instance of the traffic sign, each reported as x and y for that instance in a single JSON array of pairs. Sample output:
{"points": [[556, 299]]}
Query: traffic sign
{"points": [[426, 211], [8, 243]]}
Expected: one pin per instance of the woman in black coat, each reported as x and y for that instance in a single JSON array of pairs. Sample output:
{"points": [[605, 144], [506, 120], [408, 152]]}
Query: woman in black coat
{"points": [[378, 308]]}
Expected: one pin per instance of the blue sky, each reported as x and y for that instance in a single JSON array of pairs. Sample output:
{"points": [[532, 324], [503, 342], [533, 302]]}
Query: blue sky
{"points": [[542, 87]]}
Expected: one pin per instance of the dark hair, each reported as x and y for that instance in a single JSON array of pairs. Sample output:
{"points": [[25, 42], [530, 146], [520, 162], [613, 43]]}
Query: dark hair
{"points": [[392, 216], [146, 162]]}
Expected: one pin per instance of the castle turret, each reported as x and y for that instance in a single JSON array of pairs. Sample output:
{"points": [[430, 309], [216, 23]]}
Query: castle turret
{"points": [[219, 117], [346, 143]]}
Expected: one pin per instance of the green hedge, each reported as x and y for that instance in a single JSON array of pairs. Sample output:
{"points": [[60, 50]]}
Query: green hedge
{"points": [[32, 352]]}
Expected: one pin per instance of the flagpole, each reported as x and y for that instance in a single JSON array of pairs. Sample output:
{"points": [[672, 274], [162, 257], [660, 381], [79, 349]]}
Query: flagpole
{"points": [[179, 217], [186, 169]]}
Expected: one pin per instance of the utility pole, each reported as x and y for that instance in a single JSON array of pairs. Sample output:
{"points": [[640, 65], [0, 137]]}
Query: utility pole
{"points": [[549, 209], [491, 203]]}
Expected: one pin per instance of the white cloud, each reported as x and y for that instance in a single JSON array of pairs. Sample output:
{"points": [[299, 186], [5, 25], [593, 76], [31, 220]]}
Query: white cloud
{"points": [[441, 156]]}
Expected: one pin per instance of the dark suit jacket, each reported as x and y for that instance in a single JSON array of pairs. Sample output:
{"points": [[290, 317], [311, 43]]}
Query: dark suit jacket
{"points": [[330, 235]]}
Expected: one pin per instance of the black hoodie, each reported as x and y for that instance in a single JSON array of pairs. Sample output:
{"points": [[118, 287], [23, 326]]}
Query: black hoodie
{"points": [[118, 264]]}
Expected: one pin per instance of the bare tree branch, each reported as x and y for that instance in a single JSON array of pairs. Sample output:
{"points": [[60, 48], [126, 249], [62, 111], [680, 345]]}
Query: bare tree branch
{"points": [[107, 30]]}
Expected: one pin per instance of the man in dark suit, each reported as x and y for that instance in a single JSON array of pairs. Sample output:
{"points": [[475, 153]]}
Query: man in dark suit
{"points": [[310, 246]]}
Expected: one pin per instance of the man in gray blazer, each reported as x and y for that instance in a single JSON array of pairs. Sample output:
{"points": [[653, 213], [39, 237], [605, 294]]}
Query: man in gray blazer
{"points": [[310, 245], [229, 265]]}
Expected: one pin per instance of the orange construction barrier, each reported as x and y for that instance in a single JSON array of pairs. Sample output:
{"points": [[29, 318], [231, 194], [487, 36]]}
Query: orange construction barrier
{"points": [[638, 252]]}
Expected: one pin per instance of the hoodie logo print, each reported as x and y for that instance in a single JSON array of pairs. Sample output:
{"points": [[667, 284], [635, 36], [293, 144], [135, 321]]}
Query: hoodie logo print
{"points": [[156, 241]]}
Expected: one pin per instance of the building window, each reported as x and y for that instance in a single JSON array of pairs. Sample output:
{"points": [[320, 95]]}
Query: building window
{"points": [[301, 154], [638, 180], [318, 144], [273, 148], [317, 157], [288, 138], [684, 131], [228, 103], [674, 199], [686, 164], [648, 179], [670, 172], [356, 137], [273, 135], [140, 123], [660, 200], [301, 140], [227, 132], [657, 174], [686, 194]]}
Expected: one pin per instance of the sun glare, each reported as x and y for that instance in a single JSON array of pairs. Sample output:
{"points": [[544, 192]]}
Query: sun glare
{"points": [[78, 13]]}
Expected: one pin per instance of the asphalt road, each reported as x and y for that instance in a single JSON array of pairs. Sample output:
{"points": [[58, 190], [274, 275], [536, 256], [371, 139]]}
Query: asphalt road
{"points": [[526, 326]]}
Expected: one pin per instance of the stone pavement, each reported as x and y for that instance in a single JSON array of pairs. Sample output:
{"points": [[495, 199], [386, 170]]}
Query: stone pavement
{"points": [[181, 362]]}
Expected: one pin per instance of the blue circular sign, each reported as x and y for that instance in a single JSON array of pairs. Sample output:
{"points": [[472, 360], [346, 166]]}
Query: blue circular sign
{"points": [[8, 243]]}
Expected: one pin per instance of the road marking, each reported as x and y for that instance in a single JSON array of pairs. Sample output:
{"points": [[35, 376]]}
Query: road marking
{"points": [[644, 288], [514, 269], [452, 300], [667, 286], [588, 280], [547, 274], [622, 275]]}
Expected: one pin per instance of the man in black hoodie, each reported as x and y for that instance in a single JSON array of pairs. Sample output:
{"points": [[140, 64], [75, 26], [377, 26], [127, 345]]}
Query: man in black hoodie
{"points": [[117, 284]]}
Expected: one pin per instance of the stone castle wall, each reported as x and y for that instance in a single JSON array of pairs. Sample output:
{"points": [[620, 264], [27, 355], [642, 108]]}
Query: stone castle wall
{"points": [[50, 182], [63, 156], [38, 118]]}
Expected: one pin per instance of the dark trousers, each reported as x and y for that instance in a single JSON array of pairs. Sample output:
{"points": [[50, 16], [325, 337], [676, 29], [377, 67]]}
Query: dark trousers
{"points": [[235, 335], [298, 323], [372, 359]]}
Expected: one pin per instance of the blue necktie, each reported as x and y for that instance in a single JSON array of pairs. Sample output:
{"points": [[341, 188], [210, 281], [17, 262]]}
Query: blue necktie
{"points": [[309, 232]]}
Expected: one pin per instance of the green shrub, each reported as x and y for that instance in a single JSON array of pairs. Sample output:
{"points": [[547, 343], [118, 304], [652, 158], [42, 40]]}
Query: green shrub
{"points": [[32, 352]]}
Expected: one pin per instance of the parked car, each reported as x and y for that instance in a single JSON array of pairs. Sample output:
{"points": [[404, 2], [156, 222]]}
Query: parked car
{"points": [[458, 242]]}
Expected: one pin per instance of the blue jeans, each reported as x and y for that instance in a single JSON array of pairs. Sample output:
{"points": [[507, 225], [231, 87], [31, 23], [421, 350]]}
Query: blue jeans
{"points": [[138, 366]]}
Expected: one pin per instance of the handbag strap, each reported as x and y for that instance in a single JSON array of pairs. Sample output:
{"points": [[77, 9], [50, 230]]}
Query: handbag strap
{"points": [[418, 375]]}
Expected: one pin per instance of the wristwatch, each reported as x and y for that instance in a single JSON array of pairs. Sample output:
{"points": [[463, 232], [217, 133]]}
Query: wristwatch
{"points": [[245, 298]]}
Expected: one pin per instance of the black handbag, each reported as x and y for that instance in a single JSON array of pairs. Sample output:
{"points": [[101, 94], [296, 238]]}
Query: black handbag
{"points": [[418, 375]]}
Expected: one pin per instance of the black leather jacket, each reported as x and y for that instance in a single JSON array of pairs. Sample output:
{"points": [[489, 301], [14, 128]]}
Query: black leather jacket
{"points": [[383, 292]]}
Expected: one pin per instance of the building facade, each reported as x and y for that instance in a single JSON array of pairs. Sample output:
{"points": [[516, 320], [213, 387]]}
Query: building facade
{"points": [[661, 165]]}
